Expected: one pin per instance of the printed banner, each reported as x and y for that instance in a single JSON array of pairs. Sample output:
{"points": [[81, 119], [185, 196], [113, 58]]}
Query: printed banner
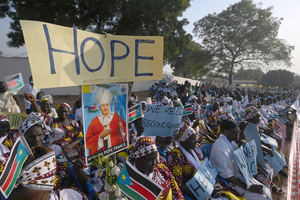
{"points": [[209, 171], [161, 120], [200, 186], [276, 161], [240, 159], [269, 140], [105, 126], [251, 133], [250, 155], [14, 82], [15, 119], [61, 56]]}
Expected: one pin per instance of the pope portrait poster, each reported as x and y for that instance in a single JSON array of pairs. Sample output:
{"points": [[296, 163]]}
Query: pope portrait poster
{"points": [[105, 119]]}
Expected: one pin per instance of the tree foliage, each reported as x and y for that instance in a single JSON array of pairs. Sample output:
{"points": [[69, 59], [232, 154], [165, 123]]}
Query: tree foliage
{"points": [[191, 61], [242, 35], [280, 78], [249, 74], [121, 17]]}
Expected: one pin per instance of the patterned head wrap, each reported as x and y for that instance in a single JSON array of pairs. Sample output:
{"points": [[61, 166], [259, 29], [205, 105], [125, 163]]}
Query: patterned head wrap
{"points": [[144, 146], [228, 99], [47, 97], [3, 118], [40, 173], [193, 97], [32, 120], [183, 132], [63, 105], [251, 112]]}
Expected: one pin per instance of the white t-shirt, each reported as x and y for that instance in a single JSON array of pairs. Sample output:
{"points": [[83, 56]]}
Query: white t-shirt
{"points": [[222, 157]]}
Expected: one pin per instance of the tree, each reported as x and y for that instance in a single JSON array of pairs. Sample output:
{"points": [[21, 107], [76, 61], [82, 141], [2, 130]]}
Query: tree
{"points": [[296, 82], [191, 61], [249, 74], [243, 35], [279, 78], [121, 17]]}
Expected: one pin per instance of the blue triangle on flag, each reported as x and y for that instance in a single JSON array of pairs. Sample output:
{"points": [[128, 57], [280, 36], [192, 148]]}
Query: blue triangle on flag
{"points": [[124, 178], [21, 153]]}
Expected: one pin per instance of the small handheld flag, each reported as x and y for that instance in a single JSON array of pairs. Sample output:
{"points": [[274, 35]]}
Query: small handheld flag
{"points": [[13, 168], [188, 110], [14, 82], [135, 112]]}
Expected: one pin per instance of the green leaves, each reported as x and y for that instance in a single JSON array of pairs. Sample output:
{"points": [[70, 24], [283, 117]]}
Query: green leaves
{"points": [[242, 35], [191, 61], [280, 78], [120, 17]]}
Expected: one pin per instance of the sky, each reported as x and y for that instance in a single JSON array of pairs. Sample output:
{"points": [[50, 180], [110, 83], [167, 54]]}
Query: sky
{"points": [[286, 9]]}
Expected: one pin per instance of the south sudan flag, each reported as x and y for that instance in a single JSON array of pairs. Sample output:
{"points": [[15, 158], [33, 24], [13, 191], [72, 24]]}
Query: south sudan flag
{"points": [[197, 114], [276, 127], [13, 168], [135, 112], [136, 185], [14, 82], [188, 110]]}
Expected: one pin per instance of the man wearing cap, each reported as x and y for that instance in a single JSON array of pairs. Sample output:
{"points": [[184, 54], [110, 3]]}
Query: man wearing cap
{"points": [[106, 130]]}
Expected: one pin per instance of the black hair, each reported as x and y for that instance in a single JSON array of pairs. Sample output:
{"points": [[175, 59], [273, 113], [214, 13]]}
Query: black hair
{"points": [[228, 124]]}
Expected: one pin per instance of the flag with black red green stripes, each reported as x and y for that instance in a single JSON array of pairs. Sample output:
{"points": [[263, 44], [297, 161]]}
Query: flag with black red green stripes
{"points": [[134, 113], [188, 110], [13, 168], [136, 185]]}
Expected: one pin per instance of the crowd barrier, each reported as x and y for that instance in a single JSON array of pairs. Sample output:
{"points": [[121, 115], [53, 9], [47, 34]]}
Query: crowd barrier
{"points": [[294, 165]]}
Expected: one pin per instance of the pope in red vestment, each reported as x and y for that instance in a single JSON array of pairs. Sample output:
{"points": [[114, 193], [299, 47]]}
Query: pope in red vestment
{"points": [[106, 130], [98, 125]]}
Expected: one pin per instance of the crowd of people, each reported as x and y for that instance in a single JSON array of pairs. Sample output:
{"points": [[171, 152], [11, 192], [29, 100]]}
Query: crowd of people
{"points": [[221, 120]]}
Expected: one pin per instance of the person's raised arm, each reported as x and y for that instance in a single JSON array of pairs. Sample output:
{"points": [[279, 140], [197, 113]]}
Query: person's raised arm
{"points": [[31, 98]]}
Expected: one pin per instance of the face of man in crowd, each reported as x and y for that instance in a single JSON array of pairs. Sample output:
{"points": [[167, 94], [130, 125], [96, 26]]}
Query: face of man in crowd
{"points": [[45, 106], [233, 134], [146, 163], [35, 136], [105, 108]]}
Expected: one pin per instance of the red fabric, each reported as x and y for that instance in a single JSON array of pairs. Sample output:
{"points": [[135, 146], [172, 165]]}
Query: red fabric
{"points": [[142, 190], [95, 128]]}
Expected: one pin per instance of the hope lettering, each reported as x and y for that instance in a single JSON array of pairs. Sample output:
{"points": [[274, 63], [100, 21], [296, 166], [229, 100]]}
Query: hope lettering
{"points": [[114, 58]]}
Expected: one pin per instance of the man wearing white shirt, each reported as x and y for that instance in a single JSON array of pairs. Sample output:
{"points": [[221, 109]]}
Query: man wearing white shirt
{"points": [[30, 89], [222, 158]]}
